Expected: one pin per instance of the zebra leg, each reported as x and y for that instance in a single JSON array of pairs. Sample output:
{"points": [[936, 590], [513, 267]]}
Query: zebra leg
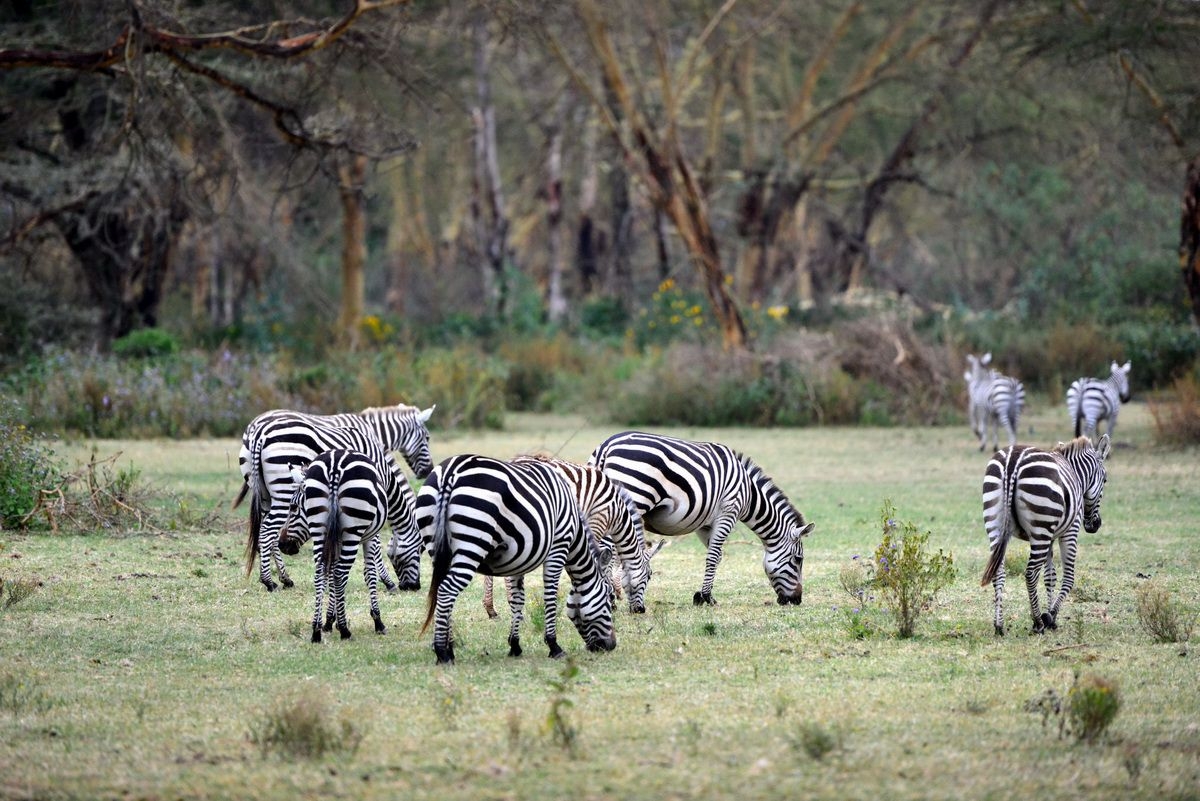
{"points": [[373, 554], [1050, 580], [516, 605], [1037, 558], [551, 575], [268, 548], [1067, 550], [998, 587], [714, 537], [370, 573], [340, 580], [489, 596], [319, 583], [447, 593]]}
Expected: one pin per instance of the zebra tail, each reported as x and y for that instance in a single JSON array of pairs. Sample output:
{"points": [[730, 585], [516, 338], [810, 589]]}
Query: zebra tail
{"points": [[439, 546], [996, 560], [241, 496], [253, 479], [333, 533]]}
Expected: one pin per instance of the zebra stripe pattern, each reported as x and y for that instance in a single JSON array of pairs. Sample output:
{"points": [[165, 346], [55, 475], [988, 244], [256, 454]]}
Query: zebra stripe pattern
{"points": [[340, 502], [287, 441], [993, 399], [1091, 400], [681, 486], [482, 515], [611, 516], [1042, 496]]}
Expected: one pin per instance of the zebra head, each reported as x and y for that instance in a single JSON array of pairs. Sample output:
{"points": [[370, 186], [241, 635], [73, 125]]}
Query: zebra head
{"points": [[635, 567], [1094, 475], [1120, 380], [784, 563], [294, 531], [590, 603], [416, 450]]}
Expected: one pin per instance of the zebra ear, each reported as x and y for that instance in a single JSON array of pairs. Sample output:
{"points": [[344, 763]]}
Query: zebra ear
{"points": [[987, 358], [1104, 447], [424, 416], [655, 548], [1127, 365], [804, 532], [297, 474]]}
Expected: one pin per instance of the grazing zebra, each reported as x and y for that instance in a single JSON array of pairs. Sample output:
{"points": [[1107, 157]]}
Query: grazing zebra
{"points": [[288, 440], [610, 515], [1041, 496], [482, 515], [340, 501], [1090, 400], [705, 487], [993, 399]]}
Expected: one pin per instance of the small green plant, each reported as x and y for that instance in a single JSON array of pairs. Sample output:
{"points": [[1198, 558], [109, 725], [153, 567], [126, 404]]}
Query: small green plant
{"points": [[27, 467], [906, 576], [859, 624], [146, 343], [561, 730], [816, 739], [14, 591], [1092, 705], [304, 727], [855, 578], [708, 629], [1161, 615], [19, 696], [451, 701]]}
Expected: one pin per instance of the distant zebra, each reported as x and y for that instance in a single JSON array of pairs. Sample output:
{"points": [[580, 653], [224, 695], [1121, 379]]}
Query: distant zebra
{"points": [[681, 486], [1041, 496], [288, 441], [340, 501], [993, 399], [482, 515], [1090, 400], [610, 515]]}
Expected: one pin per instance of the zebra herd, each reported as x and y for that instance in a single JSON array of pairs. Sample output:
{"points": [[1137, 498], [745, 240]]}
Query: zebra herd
{"points": [[1038, 495], [333, 479]]}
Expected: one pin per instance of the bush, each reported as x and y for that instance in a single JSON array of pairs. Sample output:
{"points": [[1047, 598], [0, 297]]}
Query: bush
{"points": [[1161, 616], [1092, 705], [1177, 422], [304, 728], [146, 343], [467, 386], [27, 467], [905, 576]]}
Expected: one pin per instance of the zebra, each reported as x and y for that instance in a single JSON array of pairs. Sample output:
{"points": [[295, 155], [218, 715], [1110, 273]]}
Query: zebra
{"points": [[289, 440], [340, 501], [681, 486], [1041, 496], [611, 515], [483, 515], [993, 399], [1090, 400]]}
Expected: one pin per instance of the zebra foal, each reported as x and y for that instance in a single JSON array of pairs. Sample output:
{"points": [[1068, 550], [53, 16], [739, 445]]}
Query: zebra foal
{"points": [[340, 502], [1041, 496], [993, 399], [1092, 400], [482, 515], [681, 486]]}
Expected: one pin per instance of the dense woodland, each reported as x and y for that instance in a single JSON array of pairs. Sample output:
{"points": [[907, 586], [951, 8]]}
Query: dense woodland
{"points": [[740, 176]]}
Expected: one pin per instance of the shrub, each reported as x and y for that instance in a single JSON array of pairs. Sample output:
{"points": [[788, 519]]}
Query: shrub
{"points": [[467, 386], [146, 343], [535, 366], [14, 591], [1177, 422], [1092, 705], [304, 728], [817, 740], [905, 576], [1161, 616], [27, 466]]}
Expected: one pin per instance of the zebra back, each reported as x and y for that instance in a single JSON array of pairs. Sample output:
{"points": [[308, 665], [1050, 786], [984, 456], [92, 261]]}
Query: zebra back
{"points": [[1092, 400]]}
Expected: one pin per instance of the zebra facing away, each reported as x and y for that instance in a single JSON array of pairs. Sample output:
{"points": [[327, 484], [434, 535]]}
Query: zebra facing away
{"points": [[1090, 400], [286, 441], [1042, 496], [993, 399], [612, 516], [681, 486], [340, 501], [482, 515]]}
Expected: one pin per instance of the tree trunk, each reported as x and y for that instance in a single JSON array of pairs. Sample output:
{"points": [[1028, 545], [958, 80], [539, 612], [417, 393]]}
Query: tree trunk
{"points": [[490, 214], [587, 246], [351, 175], [1189, 237], [556, 301]]}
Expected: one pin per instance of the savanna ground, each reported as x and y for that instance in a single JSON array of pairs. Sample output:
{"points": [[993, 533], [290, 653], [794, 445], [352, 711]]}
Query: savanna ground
{"points": [[143, 664]]}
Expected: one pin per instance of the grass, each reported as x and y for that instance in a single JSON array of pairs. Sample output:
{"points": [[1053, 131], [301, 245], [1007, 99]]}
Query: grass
{"points": [[157, 658]]}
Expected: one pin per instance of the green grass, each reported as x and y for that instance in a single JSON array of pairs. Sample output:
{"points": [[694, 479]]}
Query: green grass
{"points": [[153, 658]]}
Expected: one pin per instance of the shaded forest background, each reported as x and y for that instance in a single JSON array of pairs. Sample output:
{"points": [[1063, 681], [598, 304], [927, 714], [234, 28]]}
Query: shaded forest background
{"points": [[755, 212]]}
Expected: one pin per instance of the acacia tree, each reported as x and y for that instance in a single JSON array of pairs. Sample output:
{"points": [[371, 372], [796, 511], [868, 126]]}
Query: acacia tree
{"points": [[128, 88]]}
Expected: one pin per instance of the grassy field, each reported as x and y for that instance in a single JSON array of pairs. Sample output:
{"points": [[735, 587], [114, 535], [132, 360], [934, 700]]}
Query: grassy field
{"points": [[143, 664]]}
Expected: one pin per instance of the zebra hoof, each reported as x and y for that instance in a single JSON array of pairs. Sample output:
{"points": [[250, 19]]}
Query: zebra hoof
{"points": [[514, 646], [288, 583], [491, 613], [703, 599], [345, 632], [410, 586], [270, 585], [1049, 621], [999, 631], [445, 655], [637, 609], [316, 633], [556, 652]]}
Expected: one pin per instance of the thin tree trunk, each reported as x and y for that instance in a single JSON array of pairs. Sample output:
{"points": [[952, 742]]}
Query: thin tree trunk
{"points": [[587, 247], [556, 302], [1189, 237], [492, 217], [351, 176]]}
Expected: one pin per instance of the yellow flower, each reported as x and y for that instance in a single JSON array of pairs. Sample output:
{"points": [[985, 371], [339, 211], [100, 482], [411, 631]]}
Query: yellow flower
{"points": [[667, 285], [675, 318], [777, 312], [694, 310]]}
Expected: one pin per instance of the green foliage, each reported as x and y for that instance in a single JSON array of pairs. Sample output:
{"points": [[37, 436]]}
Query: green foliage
{"points": [[146, 343], [27, 466], [1177, 419], [905, 575], [1092, 706], [816, 739], [603, 318], [673, 314], [20, 696], [304, 727], [561, 730], [14, 591], [536, 367], [1162, 616], [468, 387]]}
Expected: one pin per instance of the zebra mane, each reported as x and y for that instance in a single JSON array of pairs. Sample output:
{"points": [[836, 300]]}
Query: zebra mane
{"points": [[536, 456], [398, 409], [754, 470], [1075, 446]]}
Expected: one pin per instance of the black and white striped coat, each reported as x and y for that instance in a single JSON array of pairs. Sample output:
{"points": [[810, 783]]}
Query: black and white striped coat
{"points": [[483, 515], [681, 487], [1041, 496], [1092, 400], [340, 502], [286, 441], [993, 399]]}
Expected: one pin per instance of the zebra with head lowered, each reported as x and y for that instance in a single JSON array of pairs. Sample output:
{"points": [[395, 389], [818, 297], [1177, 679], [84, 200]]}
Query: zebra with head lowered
{"points": [[681, 486], [482, 515], [1090, 400], [611, 516], [340, 501], [993, 399], [277, 440], [1042, 496]]}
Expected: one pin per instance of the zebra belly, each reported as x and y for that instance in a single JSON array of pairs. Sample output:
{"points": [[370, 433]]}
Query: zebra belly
{"points": [[670, 520]]}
